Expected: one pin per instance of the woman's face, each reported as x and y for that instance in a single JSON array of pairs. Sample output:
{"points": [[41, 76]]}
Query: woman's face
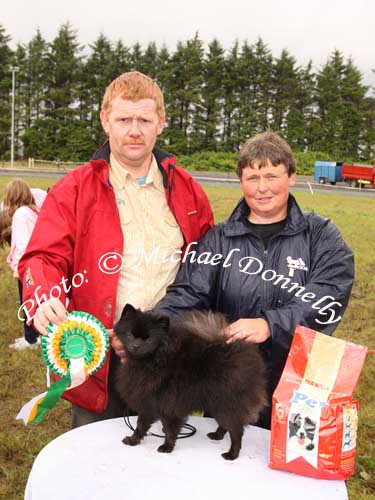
{"points": [[266, 192]]}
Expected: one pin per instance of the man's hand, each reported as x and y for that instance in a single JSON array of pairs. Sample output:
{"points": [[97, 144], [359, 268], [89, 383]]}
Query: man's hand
{"points": [[117, 346], [51, 310], [251, 330]]}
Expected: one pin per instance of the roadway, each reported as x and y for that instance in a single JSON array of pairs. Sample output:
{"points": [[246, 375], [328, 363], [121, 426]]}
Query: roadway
{"points": [[304, 183]]}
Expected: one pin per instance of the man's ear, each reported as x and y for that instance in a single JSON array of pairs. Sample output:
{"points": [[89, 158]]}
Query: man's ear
{"points": [[104, 121], [161, 125], [128, 312]]}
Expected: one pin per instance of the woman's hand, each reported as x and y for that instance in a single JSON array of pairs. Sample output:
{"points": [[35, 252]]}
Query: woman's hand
{"points": [[254, 330]]}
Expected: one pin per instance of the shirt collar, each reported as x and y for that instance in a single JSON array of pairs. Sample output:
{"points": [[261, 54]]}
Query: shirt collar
{"points": [[120, 176]]}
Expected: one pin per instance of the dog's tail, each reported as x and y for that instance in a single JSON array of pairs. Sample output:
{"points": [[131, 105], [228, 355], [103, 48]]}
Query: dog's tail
{"points": [[205, 324]]}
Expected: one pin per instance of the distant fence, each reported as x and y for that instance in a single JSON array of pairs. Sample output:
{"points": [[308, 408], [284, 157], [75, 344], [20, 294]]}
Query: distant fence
{"points": [[48, 164], [37, 164]]}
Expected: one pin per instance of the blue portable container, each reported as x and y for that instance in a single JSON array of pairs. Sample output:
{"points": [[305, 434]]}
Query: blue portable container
{"points": [[327, 171]]}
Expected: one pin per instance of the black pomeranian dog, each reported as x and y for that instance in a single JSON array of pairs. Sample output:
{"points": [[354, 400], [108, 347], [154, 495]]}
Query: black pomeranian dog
{"points": [[175, 368]]}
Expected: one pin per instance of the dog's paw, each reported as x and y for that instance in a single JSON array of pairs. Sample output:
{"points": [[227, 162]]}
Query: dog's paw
{"points": [[215, 436], [131, 441], [229, 455], [165, 448], [310, 447]]}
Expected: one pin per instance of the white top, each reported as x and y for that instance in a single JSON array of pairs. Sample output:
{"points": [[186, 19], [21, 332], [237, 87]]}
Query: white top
{"points": [[23, 223], [91, 463]]}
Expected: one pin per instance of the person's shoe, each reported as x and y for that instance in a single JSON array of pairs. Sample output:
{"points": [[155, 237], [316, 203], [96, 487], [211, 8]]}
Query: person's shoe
{"points": [[21, 344]]}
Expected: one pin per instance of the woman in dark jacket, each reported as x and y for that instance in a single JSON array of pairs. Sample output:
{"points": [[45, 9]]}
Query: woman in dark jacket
{"points": [[270, 266]]}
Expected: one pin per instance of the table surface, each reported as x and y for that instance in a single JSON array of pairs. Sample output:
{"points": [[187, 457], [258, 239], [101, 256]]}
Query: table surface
{"points": [[91, 462]]}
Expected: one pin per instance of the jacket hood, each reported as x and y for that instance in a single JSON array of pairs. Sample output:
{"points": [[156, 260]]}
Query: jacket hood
{"points": [[236, 223]]}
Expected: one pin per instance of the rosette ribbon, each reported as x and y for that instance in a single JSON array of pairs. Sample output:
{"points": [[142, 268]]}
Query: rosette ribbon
{"points": [[73, 350]]}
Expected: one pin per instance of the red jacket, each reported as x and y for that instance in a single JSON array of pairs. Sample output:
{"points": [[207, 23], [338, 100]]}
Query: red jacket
{"points": [[78, 225]]}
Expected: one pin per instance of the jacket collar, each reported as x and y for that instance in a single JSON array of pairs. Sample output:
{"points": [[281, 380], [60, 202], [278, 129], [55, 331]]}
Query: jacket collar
{"points": [[236, 224], [166, 163]]}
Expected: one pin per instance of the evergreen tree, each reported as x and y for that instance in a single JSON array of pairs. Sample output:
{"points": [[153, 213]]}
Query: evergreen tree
{"points": [[340, 99], [248, 113], [96, 74], [255, 90], [284, 89], [136, 57], [231, 95], [353, 96], [185, 85], [164, 78], [5, 93], [367, 147], [20, 102], [299, 121], [63, 93], [262, 84], [149, 64], [37, 71], [121, 60], [212, 94]]}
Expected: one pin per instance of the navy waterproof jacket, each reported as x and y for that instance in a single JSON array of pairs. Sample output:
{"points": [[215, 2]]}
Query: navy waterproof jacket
{"points": [[304, 277]]}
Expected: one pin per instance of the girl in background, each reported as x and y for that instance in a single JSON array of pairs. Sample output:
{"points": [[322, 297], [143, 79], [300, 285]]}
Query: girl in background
{"points": [[21, 207]]}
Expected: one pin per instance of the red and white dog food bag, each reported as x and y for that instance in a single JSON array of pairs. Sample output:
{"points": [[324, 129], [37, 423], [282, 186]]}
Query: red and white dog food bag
{"points": [[314, 419]]}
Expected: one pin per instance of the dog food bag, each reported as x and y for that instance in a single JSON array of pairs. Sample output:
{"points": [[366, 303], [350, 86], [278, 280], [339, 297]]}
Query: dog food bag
{"points": [[314, 419]]}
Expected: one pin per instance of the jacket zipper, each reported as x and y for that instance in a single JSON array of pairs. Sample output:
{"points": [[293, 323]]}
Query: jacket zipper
{"points": [[265, 258]]}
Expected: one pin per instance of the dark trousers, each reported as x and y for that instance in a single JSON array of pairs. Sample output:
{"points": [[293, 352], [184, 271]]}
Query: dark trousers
{"points": [[31, 335]]}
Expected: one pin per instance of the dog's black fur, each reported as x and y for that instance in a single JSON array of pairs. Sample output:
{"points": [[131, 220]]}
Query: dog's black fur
{"points": [[173, 369]]}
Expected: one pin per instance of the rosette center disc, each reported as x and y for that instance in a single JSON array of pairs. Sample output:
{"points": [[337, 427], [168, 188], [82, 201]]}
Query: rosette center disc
{"points": [[76, 346]]}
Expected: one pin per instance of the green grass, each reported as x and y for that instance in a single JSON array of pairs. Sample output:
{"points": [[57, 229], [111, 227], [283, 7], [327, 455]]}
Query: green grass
{"points": [[23, 373]]}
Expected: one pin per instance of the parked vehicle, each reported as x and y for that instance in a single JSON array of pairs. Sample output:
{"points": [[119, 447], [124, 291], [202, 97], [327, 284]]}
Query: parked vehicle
{"points": [[327, 171], [354, 175], [358, 175]]}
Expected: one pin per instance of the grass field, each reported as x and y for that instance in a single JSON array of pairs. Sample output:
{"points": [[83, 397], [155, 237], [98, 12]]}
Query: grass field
{"points": [[22, 374]]}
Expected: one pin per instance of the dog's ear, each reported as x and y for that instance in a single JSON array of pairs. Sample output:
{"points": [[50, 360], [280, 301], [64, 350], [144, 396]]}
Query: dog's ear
{"points": [[163, 322], [128, 312], [294, 418]]}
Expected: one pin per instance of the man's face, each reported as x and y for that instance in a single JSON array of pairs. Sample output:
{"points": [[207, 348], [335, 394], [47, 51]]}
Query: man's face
{"points": [[132, 128], [266, 192]]}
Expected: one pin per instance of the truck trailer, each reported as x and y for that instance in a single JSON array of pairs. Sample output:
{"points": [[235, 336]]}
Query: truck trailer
{"points": [[327, 171], [357, 175]]}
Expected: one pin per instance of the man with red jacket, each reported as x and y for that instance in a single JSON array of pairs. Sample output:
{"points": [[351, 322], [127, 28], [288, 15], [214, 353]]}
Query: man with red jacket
{"points": [[112, 231]]}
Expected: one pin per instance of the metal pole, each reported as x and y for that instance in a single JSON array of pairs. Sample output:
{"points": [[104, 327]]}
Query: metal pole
{"points": [[13, 70]]}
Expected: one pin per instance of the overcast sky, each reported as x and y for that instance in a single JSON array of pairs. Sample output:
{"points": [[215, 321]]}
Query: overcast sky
{"points": [[308, 29]]}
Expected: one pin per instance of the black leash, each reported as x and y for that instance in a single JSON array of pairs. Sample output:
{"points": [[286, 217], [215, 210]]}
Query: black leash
{"points": [[190, 430]]}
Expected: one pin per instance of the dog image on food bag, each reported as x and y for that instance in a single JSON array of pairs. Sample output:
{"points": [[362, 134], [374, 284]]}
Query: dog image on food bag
{"points": [[302, 431]]}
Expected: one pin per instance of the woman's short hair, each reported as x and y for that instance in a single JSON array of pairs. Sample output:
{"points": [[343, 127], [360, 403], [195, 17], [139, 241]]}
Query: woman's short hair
{"points": [[263, 148]]}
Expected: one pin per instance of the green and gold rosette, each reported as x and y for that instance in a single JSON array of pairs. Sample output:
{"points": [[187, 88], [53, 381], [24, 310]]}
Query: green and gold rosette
{"points": [[73, 350]]}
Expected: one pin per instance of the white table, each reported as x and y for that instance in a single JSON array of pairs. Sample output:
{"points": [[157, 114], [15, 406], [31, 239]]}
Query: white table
{"points": [[91, 463]]}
